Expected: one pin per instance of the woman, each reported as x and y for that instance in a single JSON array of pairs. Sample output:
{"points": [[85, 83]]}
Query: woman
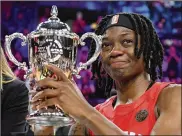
{"points": [[14, 100], [132, 57]]}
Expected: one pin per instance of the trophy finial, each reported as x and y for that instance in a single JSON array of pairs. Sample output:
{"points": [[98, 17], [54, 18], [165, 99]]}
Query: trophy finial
{"points": [[54, 11]]}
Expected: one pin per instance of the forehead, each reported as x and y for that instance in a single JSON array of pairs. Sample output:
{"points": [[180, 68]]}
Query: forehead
{"points": [[118, 30]]}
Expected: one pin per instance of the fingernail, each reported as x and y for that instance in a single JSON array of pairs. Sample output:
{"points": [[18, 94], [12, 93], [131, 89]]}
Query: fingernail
{"points": [[34, 99], [38, 107], [55, 77]]}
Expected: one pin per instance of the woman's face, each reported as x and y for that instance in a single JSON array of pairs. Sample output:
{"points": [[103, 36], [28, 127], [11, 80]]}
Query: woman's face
{"points": [[117, 53]]}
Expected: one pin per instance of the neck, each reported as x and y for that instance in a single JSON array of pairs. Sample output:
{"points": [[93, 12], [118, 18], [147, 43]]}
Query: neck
{"points": [[130, 90]]}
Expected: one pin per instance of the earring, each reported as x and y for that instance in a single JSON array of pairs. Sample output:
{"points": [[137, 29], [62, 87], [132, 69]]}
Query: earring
{"points": [[151, 57], [149, 64]]}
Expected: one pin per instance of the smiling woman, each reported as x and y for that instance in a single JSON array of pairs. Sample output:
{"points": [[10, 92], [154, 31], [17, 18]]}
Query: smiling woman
{"points": [[132, 57], [130, 45], [119, 55]]}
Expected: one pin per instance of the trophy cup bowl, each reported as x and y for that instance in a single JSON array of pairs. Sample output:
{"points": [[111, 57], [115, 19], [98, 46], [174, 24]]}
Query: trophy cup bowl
{"points": [[52, 42]]}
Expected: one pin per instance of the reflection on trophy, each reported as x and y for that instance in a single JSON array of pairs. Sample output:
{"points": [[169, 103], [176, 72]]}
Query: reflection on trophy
{"points": [[52, 42]]}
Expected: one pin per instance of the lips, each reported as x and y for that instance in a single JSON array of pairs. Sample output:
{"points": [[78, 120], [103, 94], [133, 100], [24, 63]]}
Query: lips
{"points": [[118, 64]]}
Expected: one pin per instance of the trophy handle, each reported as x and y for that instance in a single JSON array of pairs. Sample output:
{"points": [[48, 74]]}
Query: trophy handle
{"points": [[8, 40], [98, 40]]}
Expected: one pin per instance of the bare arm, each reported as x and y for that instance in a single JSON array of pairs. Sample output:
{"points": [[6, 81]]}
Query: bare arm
{"points": [[169, 104], [78, 130], [104, 128], [169, 122], [100, 125]]}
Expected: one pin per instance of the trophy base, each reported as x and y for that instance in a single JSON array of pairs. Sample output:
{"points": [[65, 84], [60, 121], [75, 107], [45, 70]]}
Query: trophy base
{"points": [[51, 121]]}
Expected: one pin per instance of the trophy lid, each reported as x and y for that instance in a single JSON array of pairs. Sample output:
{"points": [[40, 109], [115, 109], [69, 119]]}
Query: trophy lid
{"points": [[53, 22]]}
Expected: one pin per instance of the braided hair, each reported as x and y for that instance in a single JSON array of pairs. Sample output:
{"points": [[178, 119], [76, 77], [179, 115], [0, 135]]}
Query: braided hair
{"points": [[151, 48]]}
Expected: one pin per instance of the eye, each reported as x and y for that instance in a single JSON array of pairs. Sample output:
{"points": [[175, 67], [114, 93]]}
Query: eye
{"points": [[127, 42], [106, 46]]}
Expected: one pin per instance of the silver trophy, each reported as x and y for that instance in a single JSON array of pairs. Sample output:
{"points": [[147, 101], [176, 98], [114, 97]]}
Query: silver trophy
{"points": [[52, 42]]}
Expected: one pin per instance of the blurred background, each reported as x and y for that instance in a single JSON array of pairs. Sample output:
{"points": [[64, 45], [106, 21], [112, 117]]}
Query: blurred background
{"points": [[82, 17]]}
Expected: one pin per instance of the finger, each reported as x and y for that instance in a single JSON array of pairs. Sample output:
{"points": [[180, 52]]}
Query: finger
{"points": [[35, 104], [72, 80], [49, 102], [34, 108], [59, 72], [32, 92], [46, 93], [48, 82]]}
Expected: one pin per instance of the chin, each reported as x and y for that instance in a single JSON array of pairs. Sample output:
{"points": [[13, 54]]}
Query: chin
{"points": [[121, 74], [118, 74]]}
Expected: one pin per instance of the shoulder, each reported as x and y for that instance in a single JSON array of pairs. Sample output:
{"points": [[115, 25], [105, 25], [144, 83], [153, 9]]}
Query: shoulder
{"points": [[169, 96], [14, 88], [105, 104], [170, 91], [15, 94], [15, 85]]}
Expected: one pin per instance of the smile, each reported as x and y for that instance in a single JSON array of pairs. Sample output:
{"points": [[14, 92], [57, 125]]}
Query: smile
{"points": [[119, 64]]}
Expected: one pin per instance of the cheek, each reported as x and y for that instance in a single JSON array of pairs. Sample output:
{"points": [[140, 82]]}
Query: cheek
{"points": [[103, 59], [107, 69], [105, 66], [138, 65]]}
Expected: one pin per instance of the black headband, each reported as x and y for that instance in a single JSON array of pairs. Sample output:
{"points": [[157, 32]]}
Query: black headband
{"points": [[120, 20]]}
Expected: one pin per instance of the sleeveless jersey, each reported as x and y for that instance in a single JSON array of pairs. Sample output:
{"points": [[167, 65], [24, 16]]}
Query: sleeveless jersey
{"points": [[137, 118]]}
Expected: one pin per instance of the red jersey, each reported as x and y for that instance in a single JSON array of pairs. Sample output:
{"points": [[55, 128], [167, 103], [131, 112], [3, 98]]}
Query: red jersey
{"points": [[137, 118]]}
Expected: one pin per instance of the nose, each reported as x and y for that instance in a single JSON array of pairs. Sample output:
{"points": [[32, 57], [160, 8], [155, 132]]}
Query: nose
{"points": [[116, 51]]}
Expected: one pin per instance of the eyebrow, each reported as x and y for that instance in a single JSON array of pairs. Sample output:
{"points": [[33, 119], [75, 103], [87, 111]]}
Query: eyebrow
{"points": [[105, 38], [122, 34], [126, 33]]}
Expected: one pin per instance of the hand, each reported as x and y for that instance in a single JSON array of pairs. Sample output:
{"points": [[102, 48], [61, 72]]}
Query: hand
{"points": [[65, 95]]}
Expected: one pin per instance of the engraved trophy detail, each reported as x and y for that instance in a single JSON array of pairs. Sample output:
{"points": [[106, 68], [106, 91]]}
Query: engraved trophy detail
{"points": [[52, 42]]}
